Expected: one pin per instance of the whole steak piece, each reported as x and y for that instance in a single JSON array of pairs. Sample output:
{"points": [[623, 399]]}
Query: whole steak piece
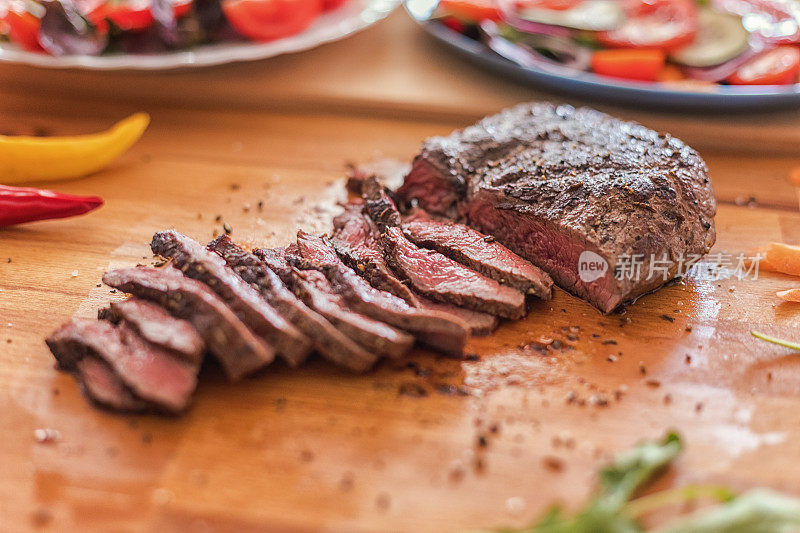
{"points": [[610, 209]]}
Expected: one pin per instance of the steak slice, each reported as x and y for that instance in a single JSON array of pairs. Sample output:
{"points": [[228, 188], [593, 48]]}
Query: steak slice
{"points": [[197, 262], [154, 324], [147, 371], [104, 388], [239, 351], [479, 324], [442, 279], [328, 341], [437, 330], [315, 290], [153, 374], [355, 241], [569, 189], [480, 253], [431, 273], [374, 335]]}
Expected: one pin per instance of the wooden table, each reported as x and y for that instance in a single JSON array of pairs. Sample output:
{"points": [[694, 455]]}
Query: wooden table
{"points": [[321, 449]]}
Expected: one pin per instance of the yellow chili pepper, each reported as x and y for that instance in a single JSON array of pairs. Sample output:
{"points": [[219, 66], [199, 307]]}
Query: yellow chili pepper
{"points": [[24, 158]]}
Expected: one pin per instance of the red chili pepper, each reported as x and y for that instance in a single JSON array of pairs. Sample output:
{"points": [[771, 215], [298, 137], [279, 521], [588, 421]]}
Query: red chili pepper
{"points": [[25, 204]]}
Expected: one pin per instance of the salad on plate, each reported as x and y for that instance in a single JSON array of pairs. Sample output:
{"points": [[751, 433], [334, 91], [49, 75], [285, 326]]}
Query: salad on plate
{"points": [[688, 42], [97, 27]]}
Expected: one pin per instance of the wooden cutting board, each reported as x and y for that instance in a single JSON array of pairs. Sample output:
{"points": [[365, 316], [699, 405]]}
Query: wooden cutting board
{"points": [[398, 448]]}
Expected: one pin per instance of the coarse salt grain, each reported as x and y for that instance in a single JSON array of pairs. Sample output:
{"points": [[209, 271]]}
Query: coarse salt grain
{"points": [[46, 435], [74, 273], [515, 505]]}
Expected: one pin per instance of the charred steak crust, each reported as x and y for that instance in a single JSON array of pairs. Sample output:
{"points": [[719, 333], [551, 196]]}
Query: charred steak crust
{"points": [[481, 253], [434, 329], [390, 173], [239, 351], [197, 262], [378, 205], [551, 182], [154, 324], [356, 243], [328, 341]]}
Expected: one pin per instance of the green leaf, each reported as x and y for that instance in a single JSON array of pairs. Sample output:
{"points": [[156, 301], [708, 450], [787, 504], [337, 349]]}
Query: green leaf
{"points": [[657, 500], [611, 511], [758, 511], [619, 481], [774, 340], [633, 469]]}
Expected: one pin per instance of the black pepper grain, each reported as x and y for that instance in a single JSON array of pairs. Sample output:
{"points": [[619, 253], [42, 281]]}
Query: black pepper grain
{"points": [[413, 390]]}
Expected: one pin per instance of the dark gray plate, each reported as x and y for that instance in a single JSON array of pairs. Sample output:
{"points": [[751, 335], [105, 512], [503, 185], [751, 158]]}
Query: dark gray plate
{"points": [[641, 94]]}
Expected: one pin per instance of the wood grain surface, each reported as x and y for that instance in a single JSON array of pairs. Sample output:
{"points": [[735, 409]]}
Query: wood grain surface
{"points": [[397, 449]]}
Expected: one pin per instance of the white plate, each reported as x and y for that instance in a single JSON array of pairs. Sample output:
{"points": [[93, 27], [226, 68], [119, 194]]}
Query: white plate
{"points": [[350, 18]]}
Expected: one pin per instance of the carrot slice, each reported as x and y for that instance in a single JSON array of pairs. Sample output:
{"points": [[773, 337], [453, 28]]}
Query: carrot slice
{"points": [[794, 176], [780, 257], [670, 73], [791, 295]]}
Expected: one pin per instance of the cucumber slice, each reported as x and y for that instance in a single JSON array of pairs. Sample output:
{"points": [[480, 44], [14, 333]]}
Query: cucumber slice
{"points": [[593, 15], [720, 38]]}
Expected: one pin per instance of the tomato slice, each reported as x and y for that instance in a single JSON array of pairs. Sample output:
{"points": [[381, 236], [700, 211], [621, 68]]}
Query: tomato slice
{"points": [[778, 66], [454, 24], [131, 15], [631, 64], [665, 24], [23, 29], [471, 10], [265, 20], [555, 5], [328, 5]]}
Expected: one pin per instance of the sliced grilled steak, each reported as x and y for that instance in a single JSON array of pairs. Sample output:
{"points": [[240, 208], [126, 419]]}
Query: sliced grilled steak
{"points": [[104, 388], [433, 275], [314, 289], [152, 373], [147, 371], [442, 279], [154, 324], [356, 243], [479, 324], [374, 335], [275, 259], [239, 351], [481, 253], [355, 240], [553, 182], [437, 330], [197, 262], [329, 342]]}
